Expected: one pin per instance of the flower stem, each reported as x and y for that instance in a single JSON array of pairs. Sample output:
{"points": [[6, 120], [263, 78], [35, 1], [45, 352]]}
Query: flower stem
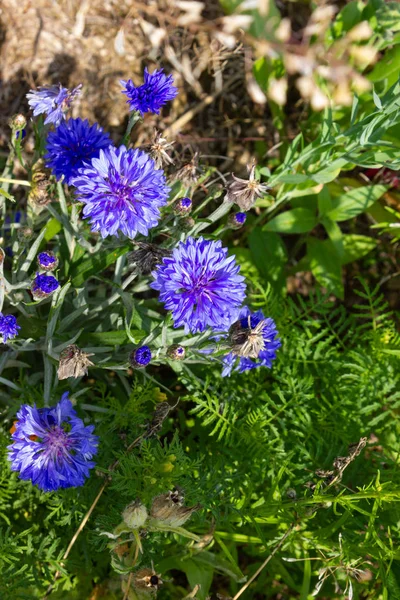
{"points": [[133, 119], [16, 181]]}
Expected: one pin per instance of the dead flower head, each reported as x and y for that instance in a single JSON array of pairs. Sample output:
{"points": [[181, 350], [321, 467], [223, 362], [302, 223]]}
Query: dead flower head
{"points": [[158, 150], [40, 193], [147, 256], [169, 509], [73, 362], [188, 173], [147, 579], [244, 192]]}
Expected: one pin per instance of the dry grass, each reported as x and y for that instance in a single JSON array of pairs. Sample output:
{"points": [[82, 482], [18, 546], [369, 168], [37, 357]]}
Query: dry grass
{"points": [[98, 42]]}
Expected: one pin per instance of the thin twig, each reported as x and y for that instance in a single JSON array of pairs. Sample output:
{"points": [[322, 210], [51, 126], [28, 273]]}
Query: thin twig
{"points": [[128, 585], [266, 561]]}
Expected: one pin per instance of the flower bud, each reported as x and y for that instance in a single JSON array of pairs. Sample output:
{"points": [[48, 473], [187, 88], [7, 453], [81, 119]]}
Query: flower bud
{"points": [[135, 515], [176, 352], [18, 122], [43, 286], [140, 357], [183, 206], [237, 220], [47, 261], [41, 182], [25, 234], [187, 223]]}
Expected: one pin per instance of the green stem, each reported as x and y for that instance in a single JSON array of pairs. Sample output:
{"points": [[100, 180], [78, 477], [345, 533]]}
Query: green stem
{"points": [[133, 119], [16, 181]]}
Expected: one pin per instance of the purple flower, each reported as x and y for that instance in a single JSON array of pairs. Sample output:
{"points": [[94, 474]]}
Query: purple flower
{"points": [[237, 220], [43, 285], [201, 285], [140, 357], [122, 191], [53, 101], [51, 446], [47, 261], [156, 90], [73, 144], [254, 343], [8, 327]]}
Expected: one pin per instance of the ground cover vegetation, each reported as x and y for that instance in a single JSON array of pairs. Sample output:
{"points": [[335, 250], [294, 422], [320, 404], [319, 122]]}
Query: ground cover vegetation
{"points": [[199, 368]]}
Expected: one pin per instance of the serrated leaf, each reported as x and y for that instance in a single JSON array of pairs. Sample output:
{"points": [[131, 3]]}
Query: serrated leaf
{"points": [[355, 202], [298, 220]]}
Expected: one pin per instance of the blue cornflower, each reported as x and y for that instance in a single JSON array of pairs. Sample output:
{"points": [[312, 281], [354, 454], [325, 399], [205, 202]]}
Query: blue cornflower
{"points": [[43, 285], [201, 285], [73, 144], [51, 446], [254, 343], [140, 357], [47, 261], [156, 90], [122, 191], [8, 327], [54, 101]]}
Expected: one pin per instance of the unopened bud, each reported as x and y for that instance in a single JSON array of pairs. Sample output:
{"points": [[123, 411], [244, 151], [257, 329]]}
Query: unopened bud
{"points": [[47, 261], [187, 223], [176, 352], [140, 357], [135, 515], [24, 234], [18, 122], [237, 220], [183, 206]]}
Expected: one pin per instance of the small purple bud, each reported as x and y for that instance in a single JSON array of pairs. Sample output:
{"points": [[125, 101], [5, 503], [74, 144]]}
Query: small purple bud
{"points": [[176, 352], [237, 220], [183, 206], [140, 357], [47, 261]]}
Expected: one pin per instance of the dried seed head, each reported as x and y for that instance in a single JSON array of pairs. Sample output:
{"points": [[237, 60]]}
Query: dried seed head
{"points": [[176, 352], [158, 150], [188, 173], [147, 257], [135, 515], [244, 192], [147, 579], [247, 341], [73, 363], [41, 182], [168, 508]]}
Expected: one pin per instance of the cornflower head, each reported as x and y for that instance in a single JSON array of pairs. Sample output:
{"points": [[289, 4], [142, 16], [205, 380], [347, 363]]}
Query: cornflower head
{"points": [[244, 192], [201, 285], [156, 91], [183, 206], [122, 191], [53, 101], [43, 286], [147, 256], [8, 327], [253, 341], [51, 446], [47, 261], [73, 144]]}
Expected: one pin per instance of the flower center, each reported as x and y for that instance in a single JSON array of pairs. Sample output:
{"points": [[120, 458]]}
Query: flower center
{"points": [[57, 441]]}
